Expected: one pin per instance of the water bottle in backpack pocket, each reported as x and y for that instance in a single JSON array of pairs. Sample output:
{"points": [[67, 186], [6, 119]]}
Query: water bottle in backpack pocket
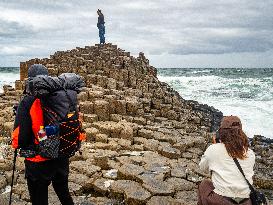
{"points": [[49, 142], [61, 141]]}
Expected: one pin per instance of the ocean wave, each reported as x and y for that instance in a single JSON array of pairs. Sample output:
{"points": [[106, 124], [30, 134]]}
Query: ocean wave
{"points": [[8, 76], [9, 70], [219, 86], [248, 95], [221, 72]]}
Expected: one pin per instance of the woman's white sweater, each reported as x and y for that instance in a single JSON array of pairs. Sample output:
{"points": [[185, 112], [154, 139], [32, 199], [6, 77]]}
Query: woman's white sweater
{"points": [[226, 177]]}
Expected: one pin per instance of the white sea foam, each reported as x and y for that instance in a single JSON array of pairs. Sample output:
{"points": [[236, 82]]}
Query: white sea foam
{"points": [[8, 79], [249, 98]]}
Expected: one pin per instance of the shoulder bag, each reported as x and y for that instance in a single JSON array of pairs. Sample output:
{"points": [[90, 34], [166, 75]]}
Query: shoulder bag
{"points": [[256, 197]]}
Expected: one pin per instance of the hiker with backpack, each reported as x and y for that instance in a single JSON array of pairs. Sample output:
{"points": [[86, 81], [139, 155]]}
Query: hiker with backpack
{"points": [[47, 131], [230, 162]]}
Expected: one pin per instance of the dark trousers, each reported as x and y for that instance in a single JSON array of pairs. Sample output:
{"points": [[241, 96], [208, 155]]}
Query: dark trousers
{"points": [[40, 175], [206, 196], [101, 28]]}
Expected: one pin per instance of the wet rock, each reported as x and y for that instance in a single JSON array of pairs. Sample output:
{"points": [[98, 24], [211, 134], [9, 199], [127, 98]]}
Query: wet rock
{"points": [[140, 120], [83, 96], [102, 201], [101, 109], [167, 150], [120, 129], [181, 184], [86, 107], [20, 189], [5, 165], [262, 181], [115, 117], [125, 144], [193, 176], [149, 175], [95, 94], [158, 187], [188, 197], [145, 133], [160, 200], [127, 131], [8, 175], [120, 106], [101, 138], [134, 192], [75, 188], [91, 133], [132, 106], [160, 170], [164, 137], [179, 171], [84, 167], [130, 171], [90, 118], [111, 83], [187, 142], [101, 161], [80, 179], [102, 185], [110, 174], [3, 181]]}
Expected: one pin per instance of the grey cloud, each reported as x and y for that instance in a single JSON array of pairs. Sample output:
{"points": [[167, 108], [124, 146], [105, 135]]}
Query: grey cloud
{"points": [[219, 44], [155, 27], [11, 29], [31, 5]]}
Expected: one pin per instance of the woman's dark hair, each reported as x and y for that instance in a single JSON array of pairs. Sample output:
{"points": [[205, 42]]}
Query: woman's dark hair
{"points": [[235, 141]]}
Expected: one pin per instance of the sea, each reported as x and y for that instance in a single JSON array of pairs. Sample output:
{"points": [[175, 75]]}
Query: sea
{"points": [[244, 92], [8, 75]]}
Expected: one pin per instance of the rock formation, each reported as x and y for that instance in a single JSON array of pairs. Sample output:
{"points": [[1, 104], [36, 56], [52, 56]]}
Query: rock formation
{"points": [[144, 141]]}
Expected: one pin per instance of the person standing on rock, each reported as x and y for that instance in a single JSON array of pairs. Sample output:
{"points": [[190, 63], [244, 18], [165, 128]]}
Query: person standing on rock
{"points": [[227, 185], [101, 26], [39, 171]]}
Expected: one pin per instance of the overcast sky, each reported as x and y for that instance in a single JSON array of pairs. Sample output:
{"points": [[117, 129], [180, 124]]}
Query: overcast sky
{"points": [[171, 33]]}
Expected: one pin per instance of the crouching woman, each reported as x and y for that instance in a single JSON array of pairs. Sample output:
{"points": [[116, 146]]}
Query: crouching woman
{"points": [[227, 185]]}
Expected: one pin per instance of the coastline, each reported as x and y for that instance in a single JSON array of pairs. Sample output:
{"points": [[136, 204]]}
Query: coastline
{"points": [[246, 93], [140, 132], [243, 92]]}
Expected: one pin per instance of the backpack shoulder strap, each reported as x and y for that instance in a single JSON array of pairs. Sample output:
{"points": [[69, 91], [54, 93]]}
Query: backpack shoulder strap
{"points": [[72, 104], [241, 170]]}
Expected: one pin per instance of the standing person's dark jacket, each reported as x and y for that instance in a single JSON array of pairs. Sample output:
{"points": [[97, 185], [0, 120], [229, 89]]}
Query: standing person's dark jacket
{"points": [[100, 20]]}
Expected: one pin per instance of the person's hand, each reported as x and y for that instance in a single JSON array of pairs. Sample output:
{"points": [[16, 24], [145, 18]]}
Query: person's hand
{"points": [[214, 139]]}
